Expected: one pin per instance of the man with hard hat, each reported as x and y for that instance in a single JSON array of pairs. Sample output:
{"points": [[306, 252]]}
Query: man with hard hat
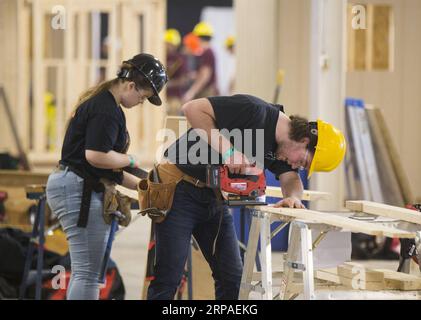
{"points": [[177, 71], [230, 47], [205, 82], [229, 44], [269, 139]]}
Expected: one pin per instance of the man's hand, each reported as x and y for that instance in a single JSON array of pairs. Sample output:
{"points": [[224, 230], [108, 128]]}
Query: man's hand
{"points": [[239, 164], [290, 202]]}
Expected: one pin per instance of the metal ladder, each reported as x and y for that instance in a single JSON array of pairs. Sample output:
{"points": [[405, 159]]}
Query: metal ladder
{"points": [[301, 237]]}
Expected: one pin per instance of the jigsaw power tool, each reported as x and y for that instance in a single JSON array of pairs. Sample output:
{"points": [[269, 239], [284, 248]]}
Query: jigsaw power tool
{"points": [[236, 189]]}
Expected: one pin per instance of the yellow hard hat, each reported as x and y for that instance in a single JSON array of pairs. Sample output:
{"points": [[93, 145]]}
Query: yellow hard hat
{"points": [[330, 148], [203, 29], [172, 36], [229, 42]]}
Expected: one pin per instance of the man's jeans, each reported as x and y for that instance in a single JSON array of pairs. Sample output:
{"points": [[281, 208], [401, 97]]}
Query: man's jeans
{"points": [[195, 211]]}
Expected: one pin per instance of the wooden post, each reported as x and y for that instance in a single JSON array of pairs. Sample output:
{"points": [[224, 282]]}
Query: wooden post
{"points": [[38, 78], [327, 84]]}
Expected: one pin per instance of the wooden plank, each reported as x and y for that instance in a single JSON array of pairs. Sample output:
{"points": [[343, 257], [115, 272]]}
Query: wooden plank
{"points": [[351, 40], [308, 195], [38, 76], [400, 281], [395, 158], [393, 280], [339, 221], [270, 192], [332, 275], [384, 210], [369, 39], [351, 271], [18, 178], [388, 181], [358, 284]]}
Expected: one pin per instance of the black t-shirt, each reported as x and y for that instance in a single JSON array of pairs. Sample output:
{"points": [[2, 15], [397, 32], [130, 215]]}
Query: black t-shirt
{"points": [[254, 119], [99, 124]]}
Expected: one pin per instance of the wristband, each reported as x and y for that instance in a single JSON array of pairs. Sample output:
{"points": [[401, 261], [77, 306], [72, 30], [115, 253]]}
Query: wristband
{"points": [[228, 154], [132, 161]]}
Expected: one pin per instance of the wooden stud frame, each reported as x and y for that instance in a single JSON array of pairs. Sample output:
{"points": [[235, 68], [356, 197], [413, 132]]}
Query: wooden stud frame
{"points": [[74, 72]]}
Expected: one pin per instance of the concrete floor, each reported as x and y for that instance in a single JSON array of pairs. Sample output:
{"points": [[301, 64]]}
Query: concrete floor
{"points": [[130, 253]]}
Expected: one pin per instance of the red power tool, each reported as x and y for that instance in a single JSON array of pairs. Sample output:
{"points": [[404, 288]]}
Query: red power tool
{"points": [[237, 189]]}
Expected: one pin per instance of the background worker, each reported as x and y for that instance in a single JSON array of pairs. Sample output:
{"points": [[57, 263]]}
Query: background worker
{"points": [[288, 144], [205, 83], [94, 149], [230, 47], [176, 70], [192, 51]]}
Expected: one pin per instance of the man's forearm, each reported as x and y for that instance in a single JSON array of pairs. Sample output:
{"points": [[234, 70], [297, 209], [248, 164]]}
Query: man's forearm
{"points": [[291, 185]]}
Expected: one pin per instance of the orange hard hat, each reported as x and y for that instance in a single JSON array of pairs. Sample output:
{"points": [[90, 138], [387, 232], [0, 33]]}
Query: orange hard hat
{"points": [[192, 43]]}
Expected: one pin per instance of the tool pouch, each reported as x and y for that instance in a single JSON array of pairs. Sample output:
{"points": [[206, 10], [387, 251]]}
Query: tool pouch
{"points": [[115, 201], [156, 198]]}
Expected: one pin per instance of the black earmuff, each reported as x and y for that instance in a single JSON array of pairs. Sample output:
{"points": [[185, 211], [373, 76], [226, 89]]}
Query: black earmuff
{"points": [[123, 73], [313, 135]]}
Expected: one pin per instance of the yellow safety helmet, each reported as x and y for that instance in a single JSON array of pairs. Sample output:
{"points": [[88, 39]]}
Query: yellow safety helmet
{"points": [[172, 36], [229, 42], [330, 147], [203, 29]]}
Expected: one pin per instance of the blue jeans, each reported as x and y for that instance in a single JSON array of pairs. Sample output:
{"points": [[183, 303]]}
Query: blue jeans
{"points": [[196, 212], [86, 245]]}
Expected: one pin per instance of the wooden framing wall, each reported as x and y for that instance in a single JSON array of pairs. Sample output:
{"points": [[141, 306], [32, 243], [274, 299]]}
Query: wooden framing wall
{"points": [[287, 35], [43, 59], [397, 91], [14, 70], [256, 47], [276, 38]]}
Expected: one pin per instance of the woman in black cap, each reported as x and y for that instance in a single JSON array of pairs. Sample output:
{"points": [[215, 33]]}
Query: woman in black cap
{"points": [[94, 149]]}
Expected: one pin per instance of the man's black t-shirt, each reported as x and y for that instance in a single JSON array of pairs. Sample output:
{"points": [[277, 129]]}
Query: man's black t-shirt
{"points": [[250, 116], [99, 124]]}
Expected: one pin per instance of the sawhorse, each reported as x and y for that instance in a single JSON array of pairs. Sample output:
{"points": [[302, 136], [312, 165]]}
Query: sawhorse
{"points": [[35, 192], [301, 237], [303, 222]]}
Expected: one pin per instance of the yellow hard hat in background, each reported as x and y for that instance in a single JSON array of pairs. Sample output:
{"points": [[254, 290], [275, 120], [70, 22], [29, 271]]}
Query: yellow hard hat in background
{"points": [[330, 148], [172, 36], [229, 42], [203, 29]]}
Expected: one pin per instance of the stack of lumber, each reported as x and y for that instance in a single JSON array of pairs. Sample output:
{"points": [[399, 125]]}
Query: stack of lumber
{"points": [[357, 277]]}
